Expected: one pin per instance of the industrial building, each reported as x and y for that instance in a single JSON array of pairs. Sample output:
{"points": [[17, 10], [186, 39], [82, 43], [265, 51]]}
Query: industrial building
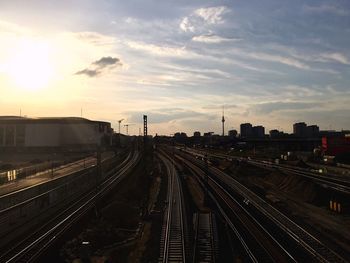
{"points": [[67, 132], [335, 145]]}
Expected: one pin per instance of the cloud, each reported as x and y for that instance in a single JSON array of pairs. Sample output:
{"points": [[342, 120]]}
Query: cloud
{"points": [[280, 59], [94, 38], [209, 15], [211, 38], [163, 115], [338, 57], [97, 67], [160, 50], [219, 107], [212, 15], [89, 72], [315, 56], [186, 26], [106, 61], [6, 27], [326, 9], [269, 107]]}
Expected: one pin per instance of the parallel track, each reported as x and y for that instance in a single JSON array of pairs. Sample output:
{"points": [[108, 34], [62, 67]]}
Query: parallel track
{"points": [[173, 234], [312, 245], [337, 184], [29, 249], [258, 244], [205, 249], [28, 212]]}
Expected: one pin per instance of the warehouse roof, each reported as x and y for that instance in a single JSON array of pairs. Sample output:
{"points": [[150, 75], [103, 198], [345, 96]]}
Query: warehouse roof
{"points": [[22, 120]]}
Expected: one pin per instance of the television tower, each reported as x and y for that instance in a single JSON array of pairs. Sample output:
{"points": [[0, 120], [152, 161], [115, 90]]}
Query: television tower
{"points": [[223, 121]]}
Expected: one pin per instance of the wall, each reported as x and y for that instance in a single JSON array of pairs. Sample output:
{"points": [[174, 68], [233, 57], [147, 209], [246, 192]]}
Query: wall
{"points": [[39, 135]]}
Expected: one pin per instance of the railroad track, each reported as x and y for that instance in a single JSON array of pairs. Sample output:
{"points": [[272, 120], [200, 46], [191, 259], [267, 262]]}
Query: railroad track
{"points": [[172, 247], [30, 248], [257, 243], [20, 195], [337, 184], [205, 249], [308, 242], [28, 212]]}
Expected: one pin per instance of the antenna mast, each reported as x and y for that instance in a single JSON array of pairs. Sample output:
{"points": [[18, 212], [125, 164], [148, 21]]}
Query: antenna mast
{"points": [[223, 121]]}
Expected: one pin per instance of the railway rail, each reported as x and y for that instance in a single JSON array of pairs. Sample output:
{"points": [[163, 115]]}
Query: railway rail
{"points": [[30, 248], [257, 243], [307, 241], [173, 232], [42, 203], [332, 182], [206, 240], [19, 192]]}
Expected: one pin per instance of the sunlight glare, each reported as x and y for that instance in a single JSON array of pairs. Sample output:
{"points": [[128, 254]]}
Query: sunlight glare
{"points": [[30, 67]]}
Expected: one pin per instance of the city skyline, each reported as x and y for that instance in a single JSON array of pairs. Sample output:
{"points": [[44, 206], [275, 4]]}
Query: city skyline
{"points": [[271, 63]]}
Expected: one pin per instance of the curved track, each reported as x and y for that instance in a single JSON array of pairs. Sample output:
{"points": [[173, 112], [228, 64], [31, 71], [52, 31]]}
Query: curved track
{"points": [[263, 211], [30, 248]]}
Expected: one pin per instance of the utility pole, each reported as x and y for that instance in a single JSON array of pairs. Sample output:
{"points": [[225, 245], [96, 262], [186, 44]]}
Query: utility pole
{"points": [[119, 125], [223, 121], [145, 125], [127, 128], [144, 128]]}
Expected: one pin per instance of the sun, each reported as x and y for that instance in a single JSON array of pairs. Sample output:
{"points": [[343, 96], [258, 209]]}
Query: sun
{"points": [[30, 67]]}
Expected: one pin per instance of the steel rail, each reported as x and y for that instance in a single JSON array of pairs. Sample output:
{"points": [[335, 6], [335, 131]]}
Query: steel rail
{"points": [[174, 241], [337, 184], [196, 171], [315, 247], [266, 240], [31, 247], [69, 173], [31, 199]]}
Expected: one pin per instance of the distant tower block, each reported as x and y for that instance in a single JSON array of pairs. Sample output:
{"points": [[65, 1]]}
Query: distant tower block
{"points": [[223, 122], [145, 125]]}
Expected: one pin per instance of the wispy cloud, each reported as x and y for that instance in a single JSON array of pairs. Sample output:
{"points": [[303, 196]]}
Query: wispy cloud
{"points": [[94, 38], [200, 18], [219, 107], [279, 59], [186, 25], [337, 57], [269, 107], [211, 38], [7, 27], [159, 50], [326, 8], [212, 15], [162, 115]]}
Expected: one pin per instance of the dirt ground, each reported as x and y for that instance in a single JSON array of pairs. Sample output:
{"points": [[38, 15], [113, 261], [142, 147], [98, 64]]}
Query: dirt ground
{"points": [[303, 200]]}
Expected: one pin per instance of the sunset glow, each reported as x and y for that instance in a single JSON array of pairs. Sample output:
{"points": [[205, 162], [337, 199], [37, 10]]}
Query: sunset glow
{"points": [[272, 64], [30, 68]]}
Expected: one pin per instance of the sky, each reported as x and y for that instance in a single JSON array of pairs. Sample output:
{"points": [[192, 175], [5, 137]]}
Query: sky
{"points": [[270, 63]]}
